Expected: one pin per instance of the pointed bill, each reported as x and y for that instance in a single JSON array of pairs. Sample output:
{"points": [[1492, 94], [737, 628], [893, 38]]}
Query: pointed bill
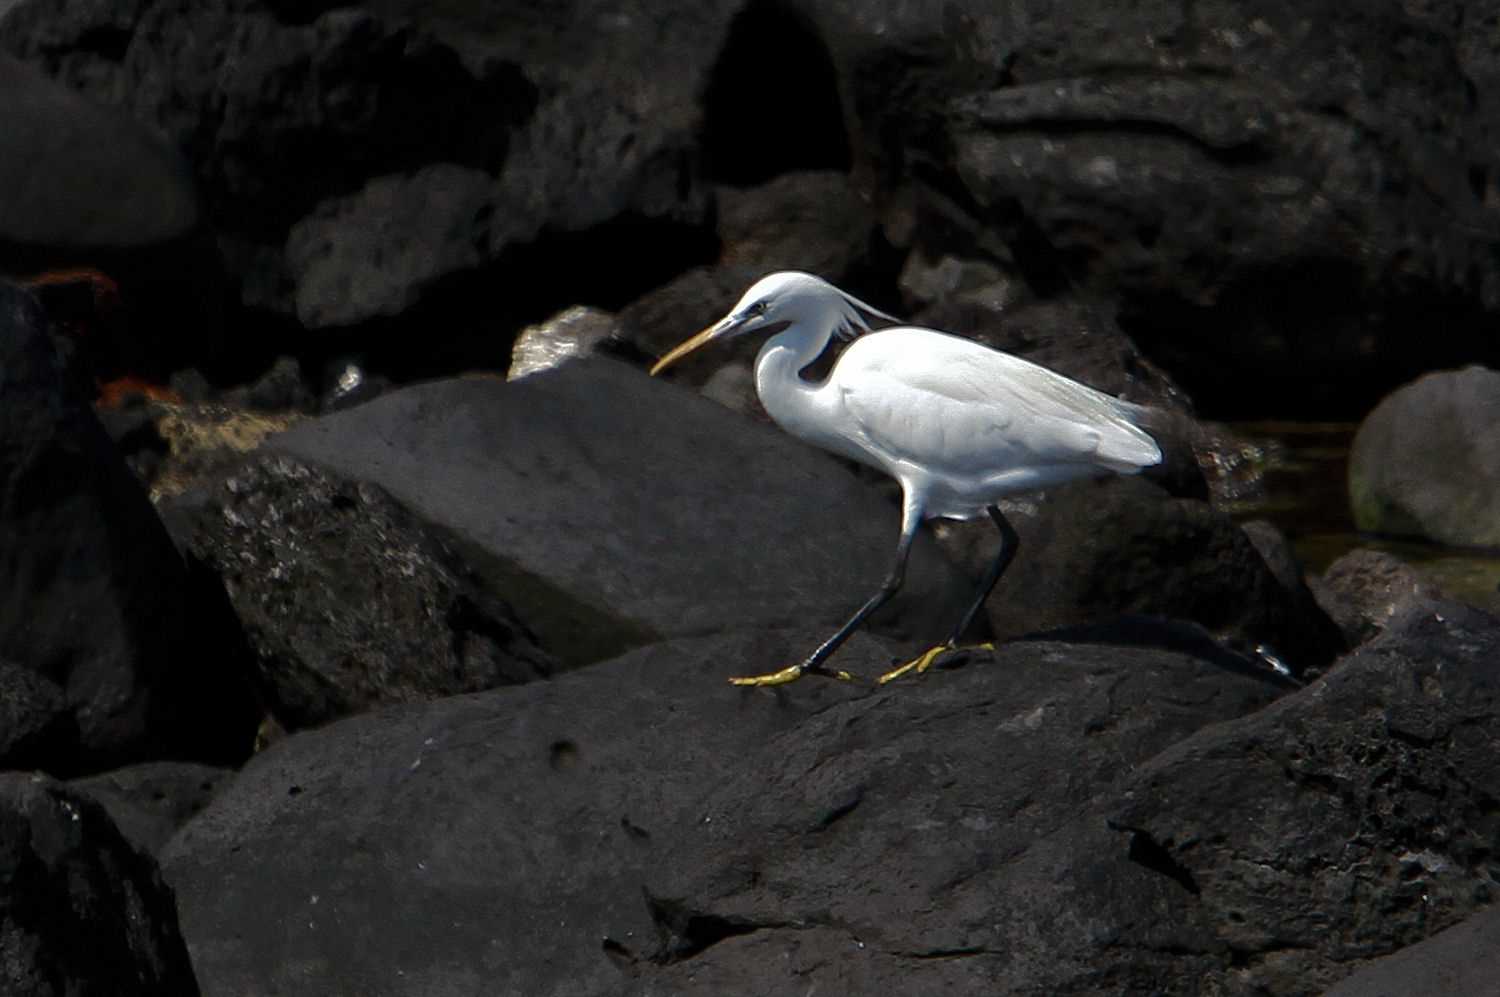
{"points": [[719, 328]]}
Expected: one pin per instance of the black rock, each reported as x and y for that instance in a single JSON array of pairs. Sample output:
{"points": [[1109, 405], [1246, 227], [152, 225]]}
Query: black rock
{"points": [[611, 509], [1097, 550], [151, 801], [1364, 590], [79, 178], [348, 601], [1426, 462], [36, 726], [641, 826], [82, 912], [816, 221], [98, 601]]}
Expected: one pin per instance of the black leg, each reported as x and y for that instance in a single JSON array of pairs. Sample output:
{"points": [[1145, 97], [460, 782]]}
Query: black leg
{"points": [[1009, 543], [911, 518], [888, 588]]}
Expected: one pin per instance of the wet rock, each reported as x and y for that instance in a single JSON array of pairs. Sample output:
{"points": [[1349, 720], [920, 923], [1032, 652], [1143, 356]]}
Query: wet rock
{"points": [[83, 912], [1365, 589], [1426, 462], [574, 332], [348, 601], [99, 602], [1096, 550], [151, 801], [612, 509], [642, 826], [1457, 962]]}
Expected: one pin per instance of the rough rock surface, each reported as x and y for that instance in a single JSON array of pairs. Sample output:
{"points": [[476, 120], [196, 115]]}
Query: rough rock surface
{"points": [[1100, 549], [1365, 589], [349, 602], [612, 830], [612, 509], [97, 600], [1426, 462], [82, 913], [151, 801]]}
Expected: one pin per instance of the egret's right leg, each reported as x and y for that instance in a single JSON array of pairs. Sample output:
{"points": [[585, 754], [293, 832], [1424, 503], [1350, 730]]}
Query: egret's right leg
{"points": [[911, 518], [1010, 541]]}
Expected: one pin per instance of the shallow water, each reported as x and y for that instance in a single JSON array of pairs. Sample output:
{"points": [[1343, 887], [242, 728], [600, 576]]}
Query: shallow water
{"points": [[1305, 493]]}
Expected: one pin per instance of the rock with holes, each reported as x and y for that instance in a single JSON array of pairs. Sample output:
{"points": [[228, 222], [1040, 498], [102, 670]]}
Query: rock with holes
{"points": [[349, 601], [611, 509], [149, 802], [1365, 589], [1426, 462], [643, 827], [131, 652], [83, 913]]}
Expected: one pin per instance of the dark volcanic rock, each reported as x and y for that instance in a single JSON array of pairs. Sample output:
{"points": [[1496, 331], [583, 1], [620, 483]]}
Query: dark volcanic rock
{"points": [[81, 912], [1458, 962], [36, 725], [77, 178], [643, 827], [1365, 589], [348, 600], [1096, 550], [1367, 809], [611, 508], [1273, 190], [812, 221], [1426, 462], [151, 801], [98, 602]]}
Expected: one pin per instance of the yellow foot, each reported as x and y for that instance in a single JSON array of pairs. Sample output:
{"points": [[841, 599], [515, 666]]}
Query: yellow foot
{"points": [[789, 674], [924, 661]]}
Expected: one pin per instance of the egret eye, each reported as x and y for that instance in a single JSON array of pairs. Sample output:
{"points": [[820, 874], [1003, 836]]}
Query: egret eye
{"points": [[759, 308]]}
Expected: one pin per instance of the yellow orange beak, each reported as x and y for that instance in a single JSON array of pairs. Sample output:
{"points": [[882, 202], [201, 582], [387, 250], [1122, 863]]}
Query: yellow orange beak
{"points": [[684, 348]]}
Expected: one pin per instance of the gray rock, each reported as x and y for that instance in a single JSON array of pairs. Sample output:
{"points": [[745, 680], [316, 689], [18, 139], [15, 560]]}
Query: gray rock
{"points": [[1426, 462], [642, 827], [349, 602], [1457, 962], [82, 913], [615, 509], [815, 221], [151, 801]]}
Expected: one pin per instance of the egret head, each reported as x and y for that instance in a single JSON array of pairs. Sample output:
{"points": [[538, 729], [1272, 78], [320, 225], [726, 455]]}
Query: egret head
{"points": [[778, 301]]}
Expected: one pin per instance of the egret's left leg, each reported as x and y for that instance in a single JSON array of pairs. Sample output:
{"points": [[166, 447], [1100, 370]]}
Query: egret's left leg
{"points": [[1009, 542], [911, 518]]}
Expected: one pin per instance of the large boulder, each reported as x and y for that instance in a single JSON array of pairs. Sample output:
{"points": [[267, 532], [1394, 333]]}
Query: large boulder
{"points": [[77, 178], [629, 827], [1458, 962], [82, 913], [1272, 191], [611, 509], [98, 603], [349, 601], [1426, 462], [151, 801], [483, 126]]}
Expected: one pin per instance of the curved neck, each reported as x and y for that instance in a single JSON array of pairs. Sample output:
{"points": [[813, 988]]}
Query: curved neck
{"points": [[778, 379]]}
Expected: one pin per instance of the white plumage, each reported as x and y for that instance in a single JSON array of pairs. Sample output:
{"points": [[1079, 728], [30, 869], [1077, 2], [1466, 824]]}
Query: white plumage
{"points": [[958, 424]]}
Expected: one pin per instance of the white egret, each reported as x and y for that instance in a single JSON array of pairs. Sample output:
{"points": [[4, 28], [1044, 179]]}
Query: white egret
{"points": [[958, 424]]}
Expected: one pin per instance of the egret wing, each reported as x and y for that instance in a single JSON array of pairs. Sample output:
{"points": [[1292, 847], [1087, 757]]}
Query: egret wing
{"points": [[956, 407]]}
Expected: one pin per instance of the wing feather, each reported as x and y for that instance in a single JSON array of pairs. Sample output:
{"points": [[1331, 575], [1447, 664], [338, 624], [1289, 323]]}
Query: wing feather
{"points": [[956, 407]]}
